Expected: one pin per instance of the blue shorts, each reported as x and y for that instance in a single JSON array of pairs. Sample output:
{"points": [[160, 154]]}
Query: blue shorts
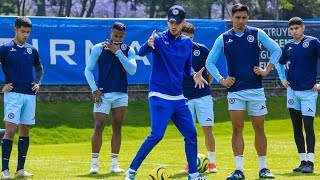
{"points": [[19, 108], [304, 101], [110, 101], [252, 100], [202, 109]]}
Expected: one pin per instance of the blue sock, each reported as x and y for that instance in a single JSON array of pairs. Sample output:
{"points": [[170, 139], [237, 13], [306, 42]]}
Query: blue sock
{"points": [[23, 146], [6, 146]]}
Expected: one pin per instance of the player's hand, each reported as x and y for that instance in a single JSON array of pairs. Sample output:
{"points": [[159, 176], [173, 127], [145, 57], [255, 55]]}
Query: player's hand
{"points": [[6, 88], [259, 71], [151, 39], [199, 80], [113, 47], [227, 82], [285, 83], [106, 44], [35, 87], [316, 87], [96, 96]]}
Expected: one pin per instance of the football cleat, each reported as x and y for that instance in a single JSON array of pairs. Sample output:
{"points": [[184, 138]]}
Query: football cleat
{"points": [[23, 174], [265, 174], [237, 174], [300, 167]]}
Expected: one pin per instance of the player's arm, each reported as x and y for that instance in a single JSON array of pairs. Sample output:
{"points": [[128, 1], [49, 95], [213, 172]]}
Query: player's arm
{"points": [[205, 52], [212, 59], [91, 63], [274, 49], [8, 86], [129, 63], [38, 68], [150, 45]]}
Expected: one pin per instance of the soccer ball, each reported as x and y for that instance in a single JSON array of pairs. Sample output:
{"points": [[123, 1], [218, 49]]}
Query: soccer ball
{"points": [[160, 173], [203, 163]]}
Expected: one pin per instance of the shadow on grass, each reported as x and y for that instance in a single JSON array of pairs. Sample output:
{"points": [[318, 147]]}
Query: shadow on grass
{"points": [[182, 175], [101, 176], [295, 174]]}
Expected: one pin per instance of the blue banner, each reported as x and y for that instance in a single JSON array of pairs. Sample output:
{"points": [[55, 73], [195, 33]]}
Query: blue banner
{"points": [[64, 43]]}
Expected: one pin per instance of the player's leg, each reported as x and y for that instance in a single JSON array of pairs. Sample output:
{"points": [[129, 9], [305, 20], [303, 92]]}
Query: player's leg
{"points": [[257, 110], [160, 113], [236, 108], [101, 110], [191, 106], [204, 111], [308, 109], [294, 107], [119, 107], [27, 119], [12, 111], [183, 120]]}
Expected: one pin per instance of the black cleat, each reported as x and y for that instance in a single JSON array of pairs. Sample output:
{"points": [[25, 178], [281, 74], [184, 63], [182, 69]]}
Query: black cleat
{"points": [[308, 168], [265, 174], [300, 167], [236, 175]]}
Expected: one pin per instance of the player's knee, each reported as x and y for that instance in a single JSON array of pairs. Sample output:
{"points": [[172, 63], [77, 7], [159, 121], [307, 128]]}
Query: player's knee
{"points": [[156, 137]]}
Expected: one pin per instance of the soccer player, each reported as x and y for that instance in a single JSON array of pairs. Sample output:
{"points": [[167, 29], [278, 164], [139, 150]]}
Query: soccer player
{"points": [[114, 59], [172, 58], [302, 89], [241, 48], [19, 59], [200, 100]]}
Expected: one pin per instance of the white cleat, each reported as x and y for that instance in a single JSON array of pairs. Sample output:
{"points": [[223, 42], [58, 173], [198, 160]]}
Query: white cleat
{"points": [[94, 169], [5, 174], [23, 174], [115, 169]]}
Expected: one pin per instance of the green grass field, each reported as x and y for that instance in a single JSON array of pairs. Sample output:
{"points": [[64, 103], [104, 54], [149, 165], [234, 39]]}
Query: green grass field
{"points": [[60, 143]]}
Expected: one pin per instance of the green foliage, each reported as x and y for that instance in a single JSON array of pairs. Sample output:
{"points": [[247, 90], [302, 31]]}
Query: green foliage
{"points": [[286, 4], [8, 7]]}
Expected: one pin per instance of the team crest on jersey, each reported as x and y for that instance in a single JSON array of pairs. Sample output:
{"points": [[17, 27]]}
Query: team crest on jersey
{"points": [[124, 47], [305, 44], [290, 101], [232, 100], [29, 50], [196, 52], [250, 38], [98, 104], [10, 115]]}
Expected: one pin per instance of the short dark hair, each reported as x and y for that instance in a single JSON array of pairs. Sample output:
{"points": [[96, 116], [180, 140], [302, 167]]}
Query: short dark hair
{"points": [[22, 21], [119, 26], [239, 7], [295, 21], [188, 28]]}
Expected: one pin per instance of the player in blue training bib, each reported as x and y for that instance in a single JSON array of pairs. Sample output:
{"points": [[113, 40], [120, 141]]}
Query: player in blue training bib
{"points": [[302, 90], [200, 100], [115, 59], [240, 46], [19, 59]]}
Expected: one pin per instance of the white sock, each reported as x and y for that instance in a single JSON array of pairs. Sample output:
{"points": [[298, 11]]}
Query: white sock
{"points": [[95, 157], [262, 162], [194, 175], [131, 170], [303, 156], [212, 157], [239, 162], [311, 157], [114, 158]]}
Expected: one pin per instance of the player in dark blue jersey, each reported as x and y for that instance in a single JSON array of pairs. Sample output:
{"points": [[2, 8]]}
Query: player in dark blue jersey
{"points": [[302, 90], [200, 100], [114, 59], [172, 58], [241, 48], [19, 59]]}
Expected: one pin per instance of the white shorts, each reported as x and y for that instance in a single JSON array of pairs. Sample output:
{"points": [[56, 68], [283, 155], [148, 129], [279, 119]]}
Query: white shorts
{"points": [[19, 108], [202, 109], [110, 101], [252, 100], [304, 101]]}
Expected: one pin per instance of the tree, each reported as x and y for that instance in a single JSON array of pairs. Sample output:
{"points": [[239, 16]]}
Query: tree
{"points": [[301, 8], [8, 7], [41, 6]]}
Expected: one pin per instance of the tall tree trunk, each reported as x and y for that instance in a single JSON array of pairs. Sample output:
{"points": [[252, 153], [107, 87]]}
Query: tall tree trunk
{"points": [[90, 10], [41, 5], [61, 8], [23, 7], [18, 3], [152, 9], [223, 8], [83, 9], [115, 2], [68, 8]]}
